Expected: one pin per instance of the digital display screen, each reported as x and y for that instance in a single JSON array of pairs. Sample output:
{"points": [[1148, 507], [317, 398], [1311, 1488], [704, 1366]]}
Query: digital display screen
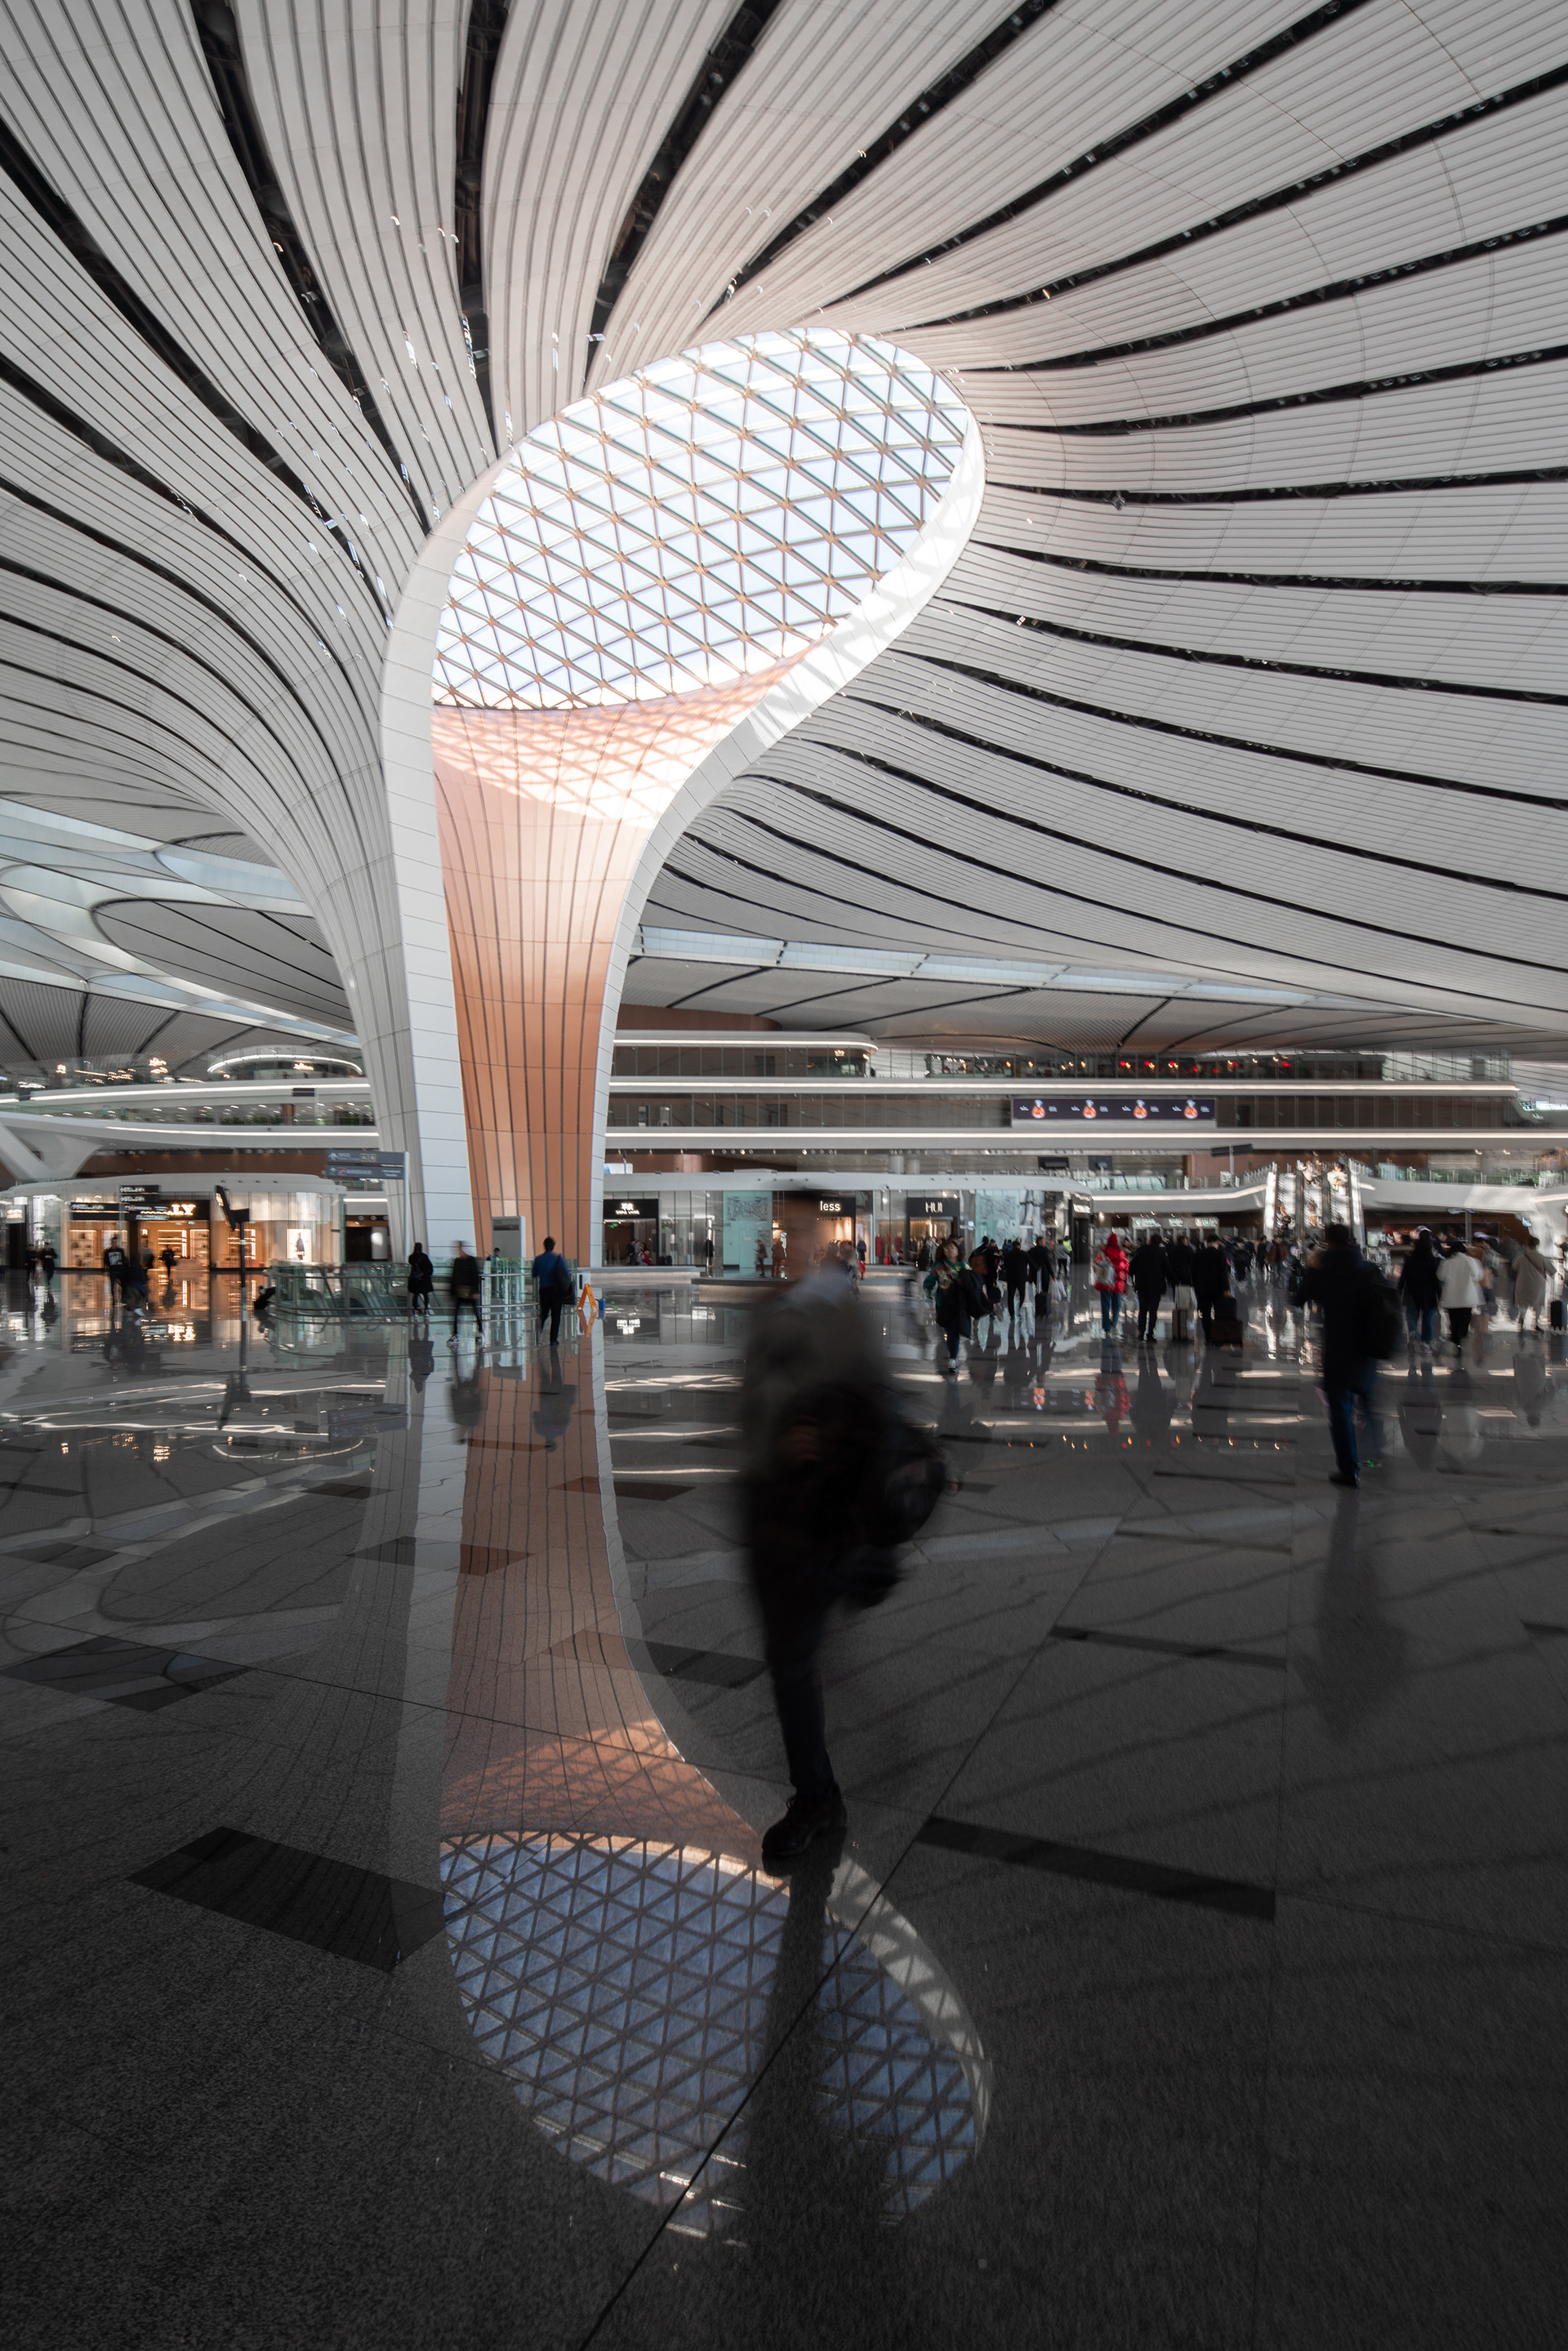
{"points": [[1113, 1109]]}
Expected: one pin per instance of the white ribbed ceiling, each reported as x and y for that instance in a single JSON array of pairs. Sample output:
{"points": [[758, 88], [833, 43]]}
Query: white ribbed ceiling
{"points": [[1253, 674]]}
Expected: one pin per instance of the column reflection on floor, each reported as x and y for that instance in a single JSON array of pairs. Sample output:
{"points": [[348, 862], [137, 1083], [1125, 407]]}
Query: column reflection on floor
{"points": [[620, 1954]]}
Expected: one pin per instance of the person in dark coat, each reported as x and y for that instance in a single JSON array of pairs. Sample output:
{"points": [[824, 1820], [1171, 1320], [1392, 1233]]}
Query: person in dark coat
{"points": [[1015, 1274], [813, 1394], [553, 1275], [1148, 1273], [1335, 1280], [1180, 1265], [951, 1295], [420, 1280], [1419, 1289], [463, 1287], [1211, 1282]]}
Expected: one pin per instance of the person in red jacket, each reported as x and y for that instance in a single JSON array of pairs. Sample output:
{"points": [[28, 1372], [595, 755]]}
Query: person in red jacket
{"points": [[1110, 1271]]}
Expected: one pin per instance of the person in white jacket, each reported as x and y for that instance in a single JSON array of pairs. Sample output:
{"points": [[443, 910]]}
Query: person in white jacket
{"points": [[1460, 1284]]}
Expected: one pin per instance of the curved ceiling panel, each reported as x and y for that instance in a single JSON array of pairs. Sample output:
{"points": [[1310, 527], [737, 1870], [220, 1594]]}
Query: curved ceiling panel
{"points": [[1251, 676]]}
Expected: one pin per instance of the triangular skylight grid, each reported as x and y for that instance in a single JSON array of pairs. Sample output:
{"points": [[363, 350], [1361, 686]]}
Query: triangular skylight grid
{"points": [[623, 1987], [695, 524]]}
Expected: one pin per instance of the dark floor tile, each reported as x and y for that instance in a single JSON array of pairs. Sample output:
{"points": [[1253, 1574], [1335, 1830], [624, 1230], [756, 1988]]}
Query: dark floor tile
{"points": [[1417, 2138], [355, 1913]]}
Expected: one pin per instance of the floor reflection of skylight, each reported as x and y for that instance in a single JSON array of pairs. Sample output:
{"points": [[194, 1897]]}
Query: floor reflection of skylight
{"points": [[696, 523], [623, 1989]]}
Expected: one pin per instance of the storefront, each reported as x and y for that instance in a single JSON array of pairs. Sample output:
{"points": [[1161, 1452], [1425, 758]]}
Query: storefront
{"points": [[630, 1229], [809, 1222], [177, 1232], [931, 1217]]}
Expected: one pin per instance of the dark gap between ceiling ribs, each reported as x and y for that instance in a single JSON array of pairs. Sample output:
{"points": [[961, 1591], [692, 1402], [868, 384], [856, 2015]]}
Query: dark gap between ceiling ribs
{"points": [[57, 216], [219, 34], [1323, 395], [914, 117], [1338, 290], [725, 58], [1389, 680], [486, 24], [1500, 478], [1254, 207], [1105, 149], [1254, 825], [1369, 583], [1114, 852]]}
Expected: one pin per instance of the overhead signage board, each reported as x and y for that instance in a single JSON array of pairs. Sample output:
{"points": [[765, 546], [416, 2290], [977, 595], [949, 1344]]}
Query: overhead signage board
{"points": [[616, 1209], [1113, 1109], [385, 1166], [140, 1196], [931, 1204]]}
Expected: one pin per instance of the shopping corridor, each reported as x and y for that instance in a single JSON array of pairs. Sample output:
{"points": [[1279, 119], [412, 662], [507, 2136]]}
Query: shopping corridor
{"points": [[387, 1746]]}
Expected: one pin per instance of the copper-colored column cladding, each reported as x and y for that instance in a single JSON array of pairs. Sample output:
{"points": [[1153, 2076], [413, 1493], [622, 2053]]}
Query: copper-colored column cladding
{"points": [[543, 815], [549, 1725]]}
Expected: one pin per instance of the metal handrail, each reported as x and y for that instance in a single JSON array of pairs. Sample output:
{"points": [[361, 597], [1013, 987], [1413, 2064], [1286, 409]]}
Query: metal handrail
{"points": [[341, 1293]]}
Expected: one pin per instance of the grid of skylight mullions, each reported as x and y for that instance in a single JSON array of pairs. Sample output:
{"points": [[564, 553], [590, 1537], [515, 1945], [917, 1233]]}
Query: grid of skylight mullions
{"points": [[623, 1989], [695, 524]]}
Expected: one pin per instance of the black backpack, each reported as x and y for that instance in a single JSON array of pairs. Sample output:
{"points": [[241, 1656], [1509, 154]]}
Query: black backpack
{"points": [[1382, 1317]]}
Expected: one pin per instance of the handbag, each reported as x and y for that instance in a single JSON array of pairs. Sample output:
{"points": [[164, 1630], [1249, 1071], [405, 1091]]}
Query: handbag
{"points": [[1186, 1297]]}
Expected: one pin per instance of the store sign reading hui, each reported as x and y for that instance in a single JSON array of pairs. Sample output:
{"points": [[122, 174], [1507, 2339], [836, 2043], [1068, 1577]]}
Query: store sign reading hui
{"points": [[934, 1204], [1112, 1110]]}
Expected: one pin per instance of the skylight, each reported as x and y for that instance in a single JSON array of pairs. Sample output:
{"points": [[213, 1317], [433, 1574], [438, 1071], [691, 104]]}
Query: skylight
{"points": [[696, 523]]}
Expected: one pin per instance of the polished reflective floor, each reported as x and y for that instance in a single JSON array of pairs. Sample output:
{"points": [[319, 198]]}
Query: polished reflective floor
{"points": [[389, 1955]]}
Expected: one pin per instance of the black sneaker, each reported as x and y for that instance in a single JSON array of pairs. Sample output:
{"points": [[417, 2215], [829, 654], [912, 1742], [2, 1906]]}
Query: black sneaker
{"points": [[1342, 1477], [807, 1818]]}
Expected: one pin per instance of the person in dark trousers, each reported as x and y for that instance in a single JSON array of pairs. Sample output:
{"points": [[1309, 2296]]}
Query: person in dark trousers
{"points": [[168, 1260], [115, 1265], [464, 1286], [1148, 1273], [812, 1398], [1419, 1289], [953, 1289], [553, 1275], [1015, 1274], [421, 1281], [1211, 1282], [1336, 1280]]}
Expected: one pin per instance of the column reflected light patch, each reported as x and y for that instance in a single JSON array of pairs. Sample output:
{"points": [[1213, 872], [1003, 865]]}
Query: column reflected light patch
{"points": [[623, 1989]]}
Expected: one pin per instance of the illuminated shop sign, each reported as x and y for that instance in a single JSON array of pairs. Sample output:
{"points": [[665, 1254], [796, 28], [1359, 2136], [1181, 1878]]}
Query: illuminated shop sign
{"points": [[934, 1204], [182, 1208], [632, 1208], [1113, 1109]]}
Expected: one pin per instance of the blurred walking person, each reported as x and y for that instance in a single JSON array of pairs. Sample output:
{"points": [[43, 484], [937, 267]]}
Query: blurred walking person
{"points": [[1420, 1289], [1360, 1315], [833, 1477], [1110, 1276], [1531, 1273], [957, 1295], [555, 1290], [1459, 1282], [464, 1287], [420, 1280], [1149, 1273]]}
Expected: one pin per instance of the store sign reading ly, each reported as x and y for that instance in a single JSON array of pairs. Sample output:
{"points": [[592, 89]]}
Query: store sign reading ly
{"points": [[1112, 1110]]}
